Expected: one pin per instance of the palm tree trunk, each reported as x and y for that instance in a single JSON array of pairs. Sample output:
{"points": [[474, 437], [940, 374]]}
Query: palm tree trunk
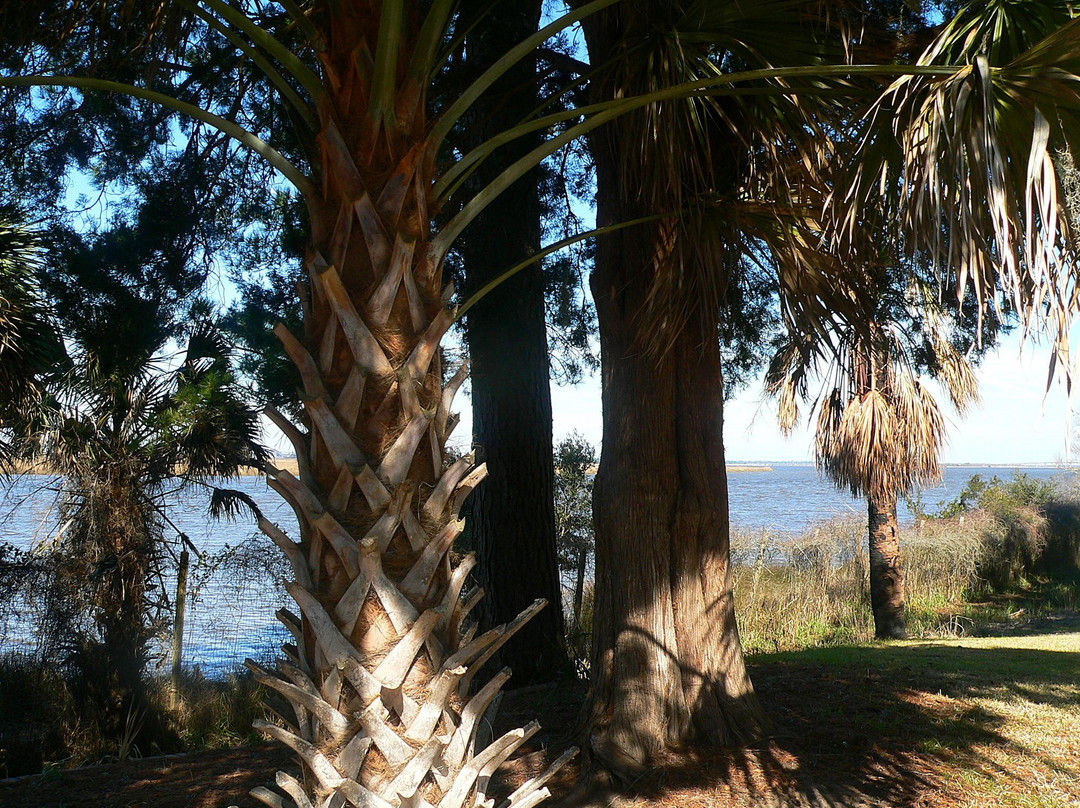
{"points": [[380, 677], [886, 570], [667, 662], [512, 515]]}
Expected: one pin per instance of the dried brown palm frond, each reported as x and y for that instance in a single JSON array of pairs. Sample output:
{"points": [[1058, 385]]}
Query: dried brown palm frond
{"points": [[879, 430], [856, 440], [955, 373]]}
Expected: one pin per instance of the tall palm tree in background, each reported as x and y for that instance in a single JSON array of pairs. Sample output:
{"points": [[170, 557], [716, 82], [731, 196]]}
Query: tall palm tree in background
{"points": [[880, 431]]}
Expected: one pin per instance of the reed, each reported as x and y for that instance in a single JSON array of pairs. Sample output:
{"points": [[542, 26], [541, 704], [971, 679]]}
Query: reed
{"points": [[962, 572]]}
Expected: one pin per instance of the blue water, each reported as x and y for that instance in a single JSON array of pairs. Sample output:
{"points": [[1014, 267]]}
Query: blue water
{"points": [[231, 616], [792, 497], [230, 611]]}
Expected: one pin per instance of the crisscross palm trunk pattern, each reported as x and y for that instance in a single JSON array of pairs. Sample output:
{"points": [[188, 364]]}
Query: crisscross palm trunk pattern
{"points": [[381, 676]]}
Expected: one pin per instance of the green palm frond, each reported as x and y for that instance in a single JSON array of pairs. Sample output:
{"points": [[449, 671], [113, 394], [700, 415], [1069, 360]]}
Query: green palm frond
{"points": [[30, 347], [965, 168]]}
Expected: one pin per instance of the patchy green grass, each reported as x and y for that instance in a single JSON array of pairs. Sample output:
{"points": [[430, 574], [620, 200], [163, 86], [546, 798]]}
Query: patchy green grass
{"points": [[971, 722]]}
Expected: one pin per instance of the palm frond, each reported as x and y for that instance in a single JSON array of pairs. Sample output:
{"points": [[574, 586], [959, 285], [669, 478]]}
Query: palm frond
{"points": [[965, 167], [231, 504]]}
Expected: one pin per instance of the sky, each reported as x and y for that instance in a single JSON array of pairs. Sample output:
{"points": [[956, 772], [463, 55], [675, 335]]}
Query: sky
{"points": [[1017, 422]]}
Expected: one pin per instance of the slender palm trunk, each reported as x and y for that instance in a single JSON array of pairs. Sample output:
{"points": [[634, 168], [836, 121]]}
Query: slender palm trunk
{"points": [[886, 570], [380, 677], [579, 588]]}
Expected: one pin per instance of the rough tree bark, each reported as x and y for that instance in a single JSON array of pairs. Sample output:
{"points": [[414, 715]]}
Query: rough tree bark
{"points": [[512, 516], [380, 676], [667, 662], [886, 570]]}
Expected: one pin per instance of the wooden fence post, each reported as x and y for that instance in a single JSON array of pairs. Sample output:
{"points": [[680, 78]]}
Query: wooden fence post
{"points": [[178, 627]]}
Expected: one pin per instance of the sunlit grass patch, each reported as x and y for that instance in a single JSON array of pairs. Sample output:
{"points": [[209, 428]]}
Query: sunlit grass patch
{"points": [[989, 721]]}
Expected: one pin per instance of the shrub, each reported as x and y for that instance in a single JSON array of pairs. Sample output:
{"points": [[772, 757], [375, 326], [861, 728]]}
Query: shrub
{"points": [[997, 536]]}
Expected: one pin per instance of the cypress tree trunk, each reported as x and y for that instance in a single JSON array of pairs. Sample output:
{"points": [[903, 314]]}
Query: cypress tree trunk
{"points": [[886, 570], [667, 662], [512, 518]]}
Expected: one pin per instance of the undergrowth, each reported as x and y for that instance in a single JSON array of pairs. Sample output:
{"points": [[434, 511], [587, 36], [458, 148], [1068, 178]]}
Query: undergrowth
{"points": [[1001, 551], [44, 727]]}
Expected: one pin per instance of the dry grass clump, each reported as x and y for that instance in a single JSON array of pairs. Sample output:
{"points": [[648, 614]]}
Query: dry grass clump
{"points": [[793, 593]]}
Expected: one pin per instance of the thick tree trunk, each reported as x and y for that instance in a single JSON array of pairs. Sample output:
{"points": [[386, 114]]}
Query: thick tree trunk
{"points": [[512, 519], [380, 678], [886, 570], [667, 662]]}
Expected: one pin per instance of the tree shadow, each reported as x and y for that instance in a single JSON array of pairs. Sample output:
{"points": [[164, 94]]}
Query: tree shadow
{"points": [[212, 779], [880, 725]]}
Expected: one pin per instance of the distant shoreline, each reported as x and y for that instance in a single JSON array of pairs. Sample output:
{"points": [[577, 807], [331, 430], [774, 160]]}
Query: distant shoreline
{"points": [[290, 464]]}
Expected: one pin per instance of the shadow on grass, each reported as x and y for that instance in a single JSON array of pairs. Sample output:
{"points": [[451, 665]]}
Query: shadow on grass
{"points": [[213, 779], [880, 725]]}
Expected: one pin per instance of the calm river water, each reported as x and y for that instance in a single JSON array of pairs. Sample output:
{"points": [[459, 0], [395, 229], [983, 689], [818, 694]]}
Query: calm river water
{"points": [[232, 615], [793, 496]]}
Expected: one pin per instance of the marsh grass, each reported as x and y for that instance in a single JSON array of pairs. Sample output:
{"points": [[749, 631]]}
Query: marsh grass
{"points": [[1014, 557], [218, 713]]}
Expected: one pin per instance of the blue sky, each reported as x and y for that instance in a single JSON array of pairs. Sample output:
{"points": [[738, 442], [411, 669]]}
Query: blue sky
{"points": [[1017, 421]]}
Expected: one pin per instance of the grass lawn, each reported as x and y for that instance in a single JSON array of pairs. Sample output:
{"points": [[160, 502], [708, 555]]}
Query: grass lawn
{"points": [[987, 721]]}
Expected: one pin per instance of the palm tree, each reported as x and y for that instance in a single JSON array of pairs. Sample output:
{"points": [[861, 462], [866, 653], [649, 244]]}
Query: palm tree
{"points": [[124, 431], [880, 431], [28, 343], [380, 676], [667, 661]]}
